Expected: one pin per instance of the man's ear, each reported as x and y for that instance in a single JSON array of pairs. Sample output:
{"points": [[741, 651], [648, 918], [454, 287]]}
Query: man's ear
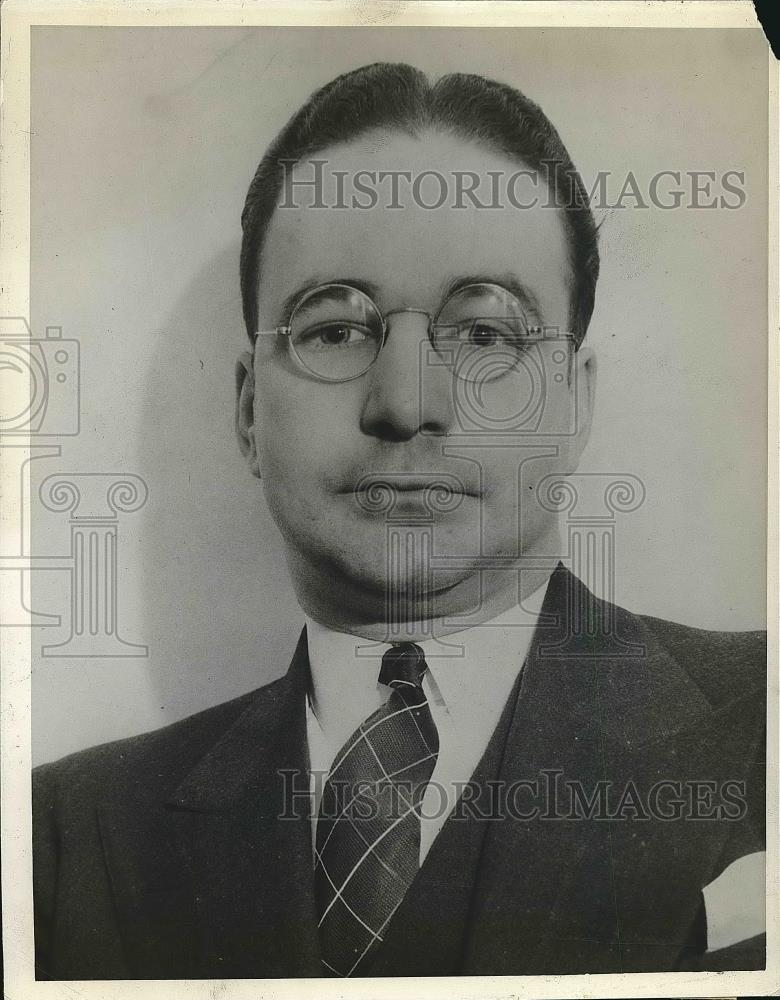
{"points": [[584, 382], [245, 410]]}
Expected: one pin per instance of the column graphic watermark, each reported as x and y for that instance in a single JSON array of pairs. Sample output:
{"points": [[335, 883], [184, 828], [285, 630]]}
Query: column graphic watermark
{"points": [[94, 502], [41, 379]]}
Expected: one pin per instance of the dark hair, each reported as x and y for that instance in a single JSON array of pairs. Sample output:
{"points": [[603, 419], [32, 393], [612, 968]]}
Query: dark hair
{"points": [[400, 98]]}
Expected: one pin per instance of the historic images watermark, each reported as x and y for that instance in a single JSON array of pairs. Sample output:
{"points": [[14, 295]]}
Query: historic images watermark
{"points": [[311, 183], [549, 796]]}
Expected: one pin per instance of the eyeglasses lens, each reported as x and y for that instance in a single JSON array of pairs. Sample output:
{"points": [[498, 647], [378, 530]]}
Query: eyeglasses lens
{"points": [[480, 332], [336, 332]]}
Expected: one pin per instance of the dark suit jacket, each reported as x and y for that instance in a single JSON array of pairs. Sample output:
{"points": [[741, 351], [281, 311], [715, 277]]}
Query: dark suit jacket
{"points": [[164, 855]]}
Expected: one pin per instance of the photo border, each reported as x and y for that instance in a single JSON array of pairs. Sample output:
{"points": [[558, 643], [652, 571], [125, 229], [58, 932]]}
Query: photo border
{"points": [[17, 19]]}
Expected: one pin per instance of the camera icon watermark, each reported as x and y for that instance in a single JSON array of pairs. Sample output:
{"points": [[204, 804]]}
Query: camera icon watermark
{"points": [[50, 397], [40, 389], [516, 390]]}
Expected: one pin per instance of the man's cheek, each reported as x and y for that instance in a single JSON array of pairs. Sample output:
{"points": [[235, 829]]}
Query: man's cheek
{"points": [[287, 443]]}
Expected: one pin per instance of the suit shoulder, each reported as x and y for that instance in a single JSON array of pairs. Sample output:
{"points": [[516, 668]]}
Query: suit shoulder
{"points": [[726, 665], [149, 765]]}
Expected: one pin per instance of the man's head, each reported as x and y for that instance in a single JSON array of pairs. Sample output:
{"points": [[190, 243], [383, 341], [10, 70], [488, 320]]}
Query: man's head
{"points": [[388, 98], [412, 417]]}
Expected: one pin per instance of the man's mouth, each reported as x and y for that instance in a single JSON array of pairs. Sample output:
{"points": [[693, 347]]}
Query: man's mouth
{"points": [[440, 490]]}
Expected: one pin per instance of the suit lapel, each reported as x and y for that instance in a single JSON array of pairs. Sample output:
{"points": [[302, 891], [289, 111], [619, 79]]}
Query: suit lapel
{"points": [[560, 894], [535, 895], [250, 868]]}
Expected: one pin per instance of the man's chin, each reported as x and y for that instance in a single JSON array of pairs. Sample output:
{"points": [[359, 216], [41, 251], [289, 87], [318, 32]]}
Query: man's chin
{"points": [[375, 566], [397, 576]]}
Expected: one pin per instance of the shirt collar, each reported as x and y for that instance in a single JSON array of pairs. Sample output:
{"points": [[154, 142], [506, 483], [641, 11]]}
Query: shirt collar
{"points": [[470, 672]]}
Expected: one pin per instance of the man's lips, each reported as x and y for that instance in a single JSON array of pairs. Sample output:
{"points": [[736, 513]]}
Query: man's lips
{"points": [[411, 483]]}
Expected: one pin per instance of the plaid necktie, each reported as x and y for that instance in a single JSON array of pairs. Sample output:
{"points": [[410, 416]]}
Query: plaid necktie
{"points": [[368, 827]]}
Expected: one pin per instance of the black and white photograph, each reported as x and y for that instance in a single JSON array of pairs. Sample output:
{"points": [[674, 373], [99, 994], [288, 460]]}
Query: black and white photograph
{"points": [[389, 569]]}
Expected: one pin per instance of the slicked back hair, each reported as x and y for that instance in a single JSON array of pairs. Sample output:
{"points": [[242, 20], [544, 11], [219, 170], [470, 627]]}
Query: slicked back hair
{"points": [[397, 97]]}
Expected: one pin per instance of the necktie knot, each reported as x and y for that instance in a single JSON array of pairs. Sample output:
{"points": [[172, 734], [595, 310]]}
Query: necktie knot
{"points": [[403, 665]]}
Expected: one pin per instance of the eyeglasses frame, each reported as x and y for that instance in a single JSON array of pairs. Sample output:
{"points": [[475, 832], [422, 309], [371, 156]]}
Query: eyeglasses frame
{"points": [[286, 329]]}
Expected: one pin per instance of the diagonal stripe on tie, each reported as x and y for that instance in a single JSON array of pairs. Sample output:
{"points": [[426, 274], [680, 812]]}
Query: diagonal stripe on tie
{"points": [[368, 827]]}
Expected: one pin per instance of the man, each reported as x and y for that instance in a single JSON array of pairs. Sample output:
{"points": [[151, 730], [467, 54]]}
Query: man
{"points": [[472, 765]]}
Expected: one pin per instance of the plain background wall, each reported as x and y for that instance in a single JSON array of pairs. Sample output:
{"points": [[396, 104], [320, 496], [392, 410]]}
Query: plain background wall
{"points": [[144, 142]]}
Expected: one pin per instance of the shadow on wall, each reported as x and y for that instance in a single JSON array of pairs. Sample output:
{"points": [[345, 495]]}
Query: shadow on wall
{"points": [[220, 616]]}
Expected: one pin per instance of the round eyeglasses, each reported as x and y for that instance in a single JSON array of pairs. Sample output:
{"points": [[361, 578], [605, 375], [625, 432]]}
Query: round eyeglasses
{"points": [[336, 332]]}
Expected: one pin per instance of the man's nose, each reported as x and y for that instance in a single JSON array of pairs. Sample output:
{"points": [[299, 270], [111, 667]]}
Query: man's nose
{"points": [[406, 392]]}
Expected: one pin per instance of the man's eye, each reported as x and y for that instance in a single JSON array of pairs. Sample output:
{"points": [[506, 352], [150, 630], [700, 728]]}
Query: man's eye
{"points": [[485, 333], [327, 336]]}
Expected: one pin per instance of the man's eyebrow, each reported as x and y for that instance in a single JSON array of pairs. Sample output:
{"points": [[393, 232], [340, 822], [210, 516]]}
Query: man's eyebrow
{"points": [[367, 287], [510, 282]]}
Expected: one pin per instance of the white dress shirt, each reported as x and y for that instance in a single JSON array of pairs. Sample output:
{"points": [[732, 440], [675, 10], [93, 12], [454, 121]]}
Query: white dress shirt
{"points": [[470, 675]]}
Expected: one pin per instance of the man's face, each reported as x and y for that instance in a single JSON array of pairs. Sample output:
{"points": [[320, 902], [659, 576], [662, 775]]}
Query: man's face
{"points": [[407, 420]]}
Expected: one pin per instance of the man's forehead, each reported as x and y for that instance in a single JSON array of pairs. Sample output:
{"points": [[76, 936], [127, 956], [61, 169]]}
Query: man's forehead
{"points": [[429, 149], [411, 171], [370, 209]]}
